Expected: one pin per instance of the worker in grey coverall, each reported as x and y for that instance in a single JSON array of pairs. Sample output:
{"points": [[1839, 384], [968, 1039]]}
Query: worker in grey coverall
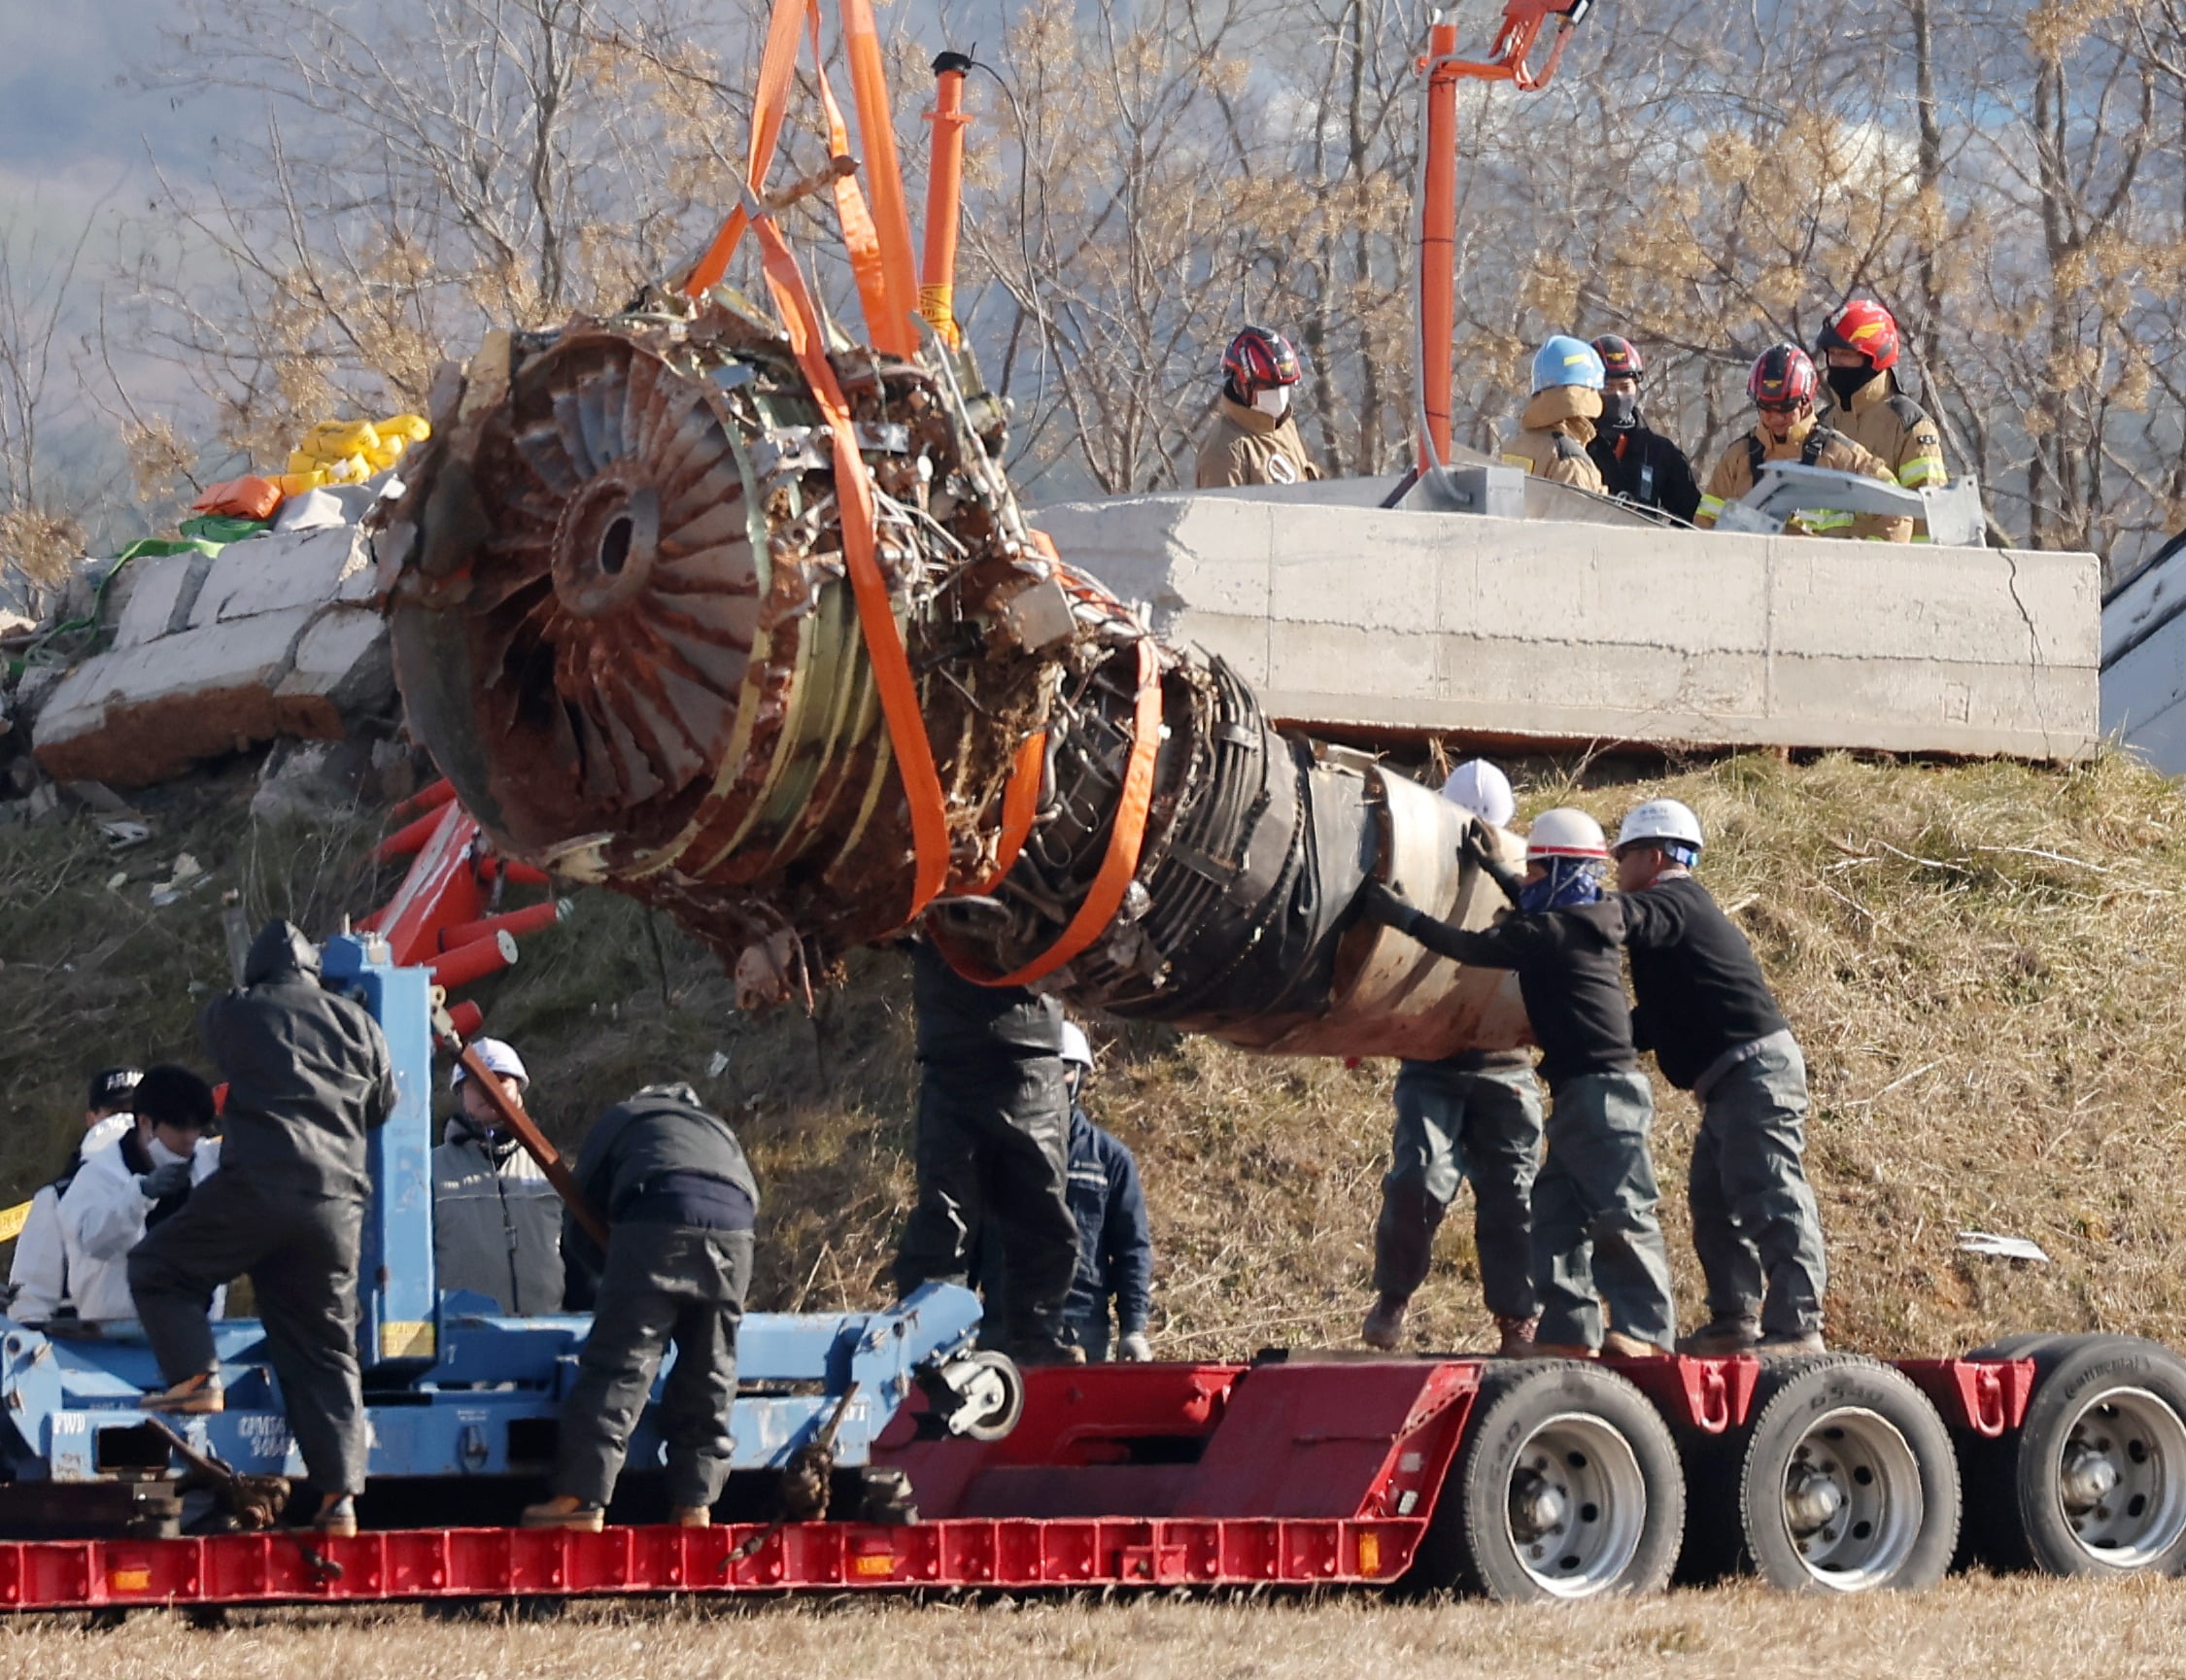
{"points": [[496, 1222], [1473, 1118], [670, 1180], [993, 1142], [308, 1079]]}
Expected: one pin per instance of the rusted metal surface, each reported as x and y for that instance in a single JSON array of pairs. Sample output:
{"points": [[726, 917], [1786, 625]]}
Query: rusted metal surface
{"points": [[622, 623]]}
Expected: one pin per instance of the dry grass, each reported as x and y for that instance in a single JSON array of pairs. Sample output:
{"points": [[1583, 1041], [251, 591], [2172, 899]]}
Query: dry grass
{"points": [[2037, 1629], [1981, 960]]}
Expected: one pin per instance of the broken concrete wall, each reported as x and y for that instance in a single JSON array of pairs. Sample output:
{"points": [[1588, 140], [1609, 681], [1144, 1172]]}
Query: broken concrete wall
{"points": [[1366, 621], [210, 654]]}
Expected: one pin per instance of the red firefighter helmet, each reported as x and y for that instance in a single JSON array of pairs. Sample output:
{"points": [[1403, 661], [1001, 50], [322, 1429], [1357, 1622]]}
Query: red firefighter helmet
{"points": [[1783, 377], [1258, 361], [1619, 357], [1864, 325]]}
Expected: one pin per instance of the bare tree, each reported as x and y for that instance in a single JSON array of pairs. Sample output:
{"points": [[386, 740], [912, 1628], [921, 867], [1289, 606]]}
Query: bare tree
{"points": [[41, 519]]}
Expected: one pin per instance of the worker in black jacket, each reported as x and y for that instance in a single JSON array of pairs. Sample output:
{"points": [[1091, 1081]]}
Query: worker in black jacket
{"points": [[670, 1180], [991, 1145], [1704, 1008], [1638, 465], [1594, 1203], [308, 1080]]}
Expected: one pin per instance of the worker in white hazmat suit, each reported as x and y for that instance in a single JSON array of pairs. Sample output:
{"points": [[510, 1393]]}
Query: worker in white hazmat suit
{"points": [[132, 1182]]}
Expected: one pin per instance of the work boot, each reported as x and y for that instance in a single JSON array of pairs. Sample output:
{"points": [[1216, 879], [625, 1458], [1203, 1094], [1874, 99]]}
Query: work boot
{"points": [[337, 1516], [1616, 1344], [566, 1511], [1562, 1351], [1723, 1339], [1384, 1328], [1787, 1344], [193, 1395], [1518, 1337], [692, 1516]]}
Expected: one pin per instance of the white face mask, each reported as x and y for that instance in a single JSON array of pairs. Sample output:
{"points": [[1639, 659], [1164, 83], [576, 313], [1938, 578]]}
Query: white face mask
{"points": [[161, 1156], [1275, 402]]}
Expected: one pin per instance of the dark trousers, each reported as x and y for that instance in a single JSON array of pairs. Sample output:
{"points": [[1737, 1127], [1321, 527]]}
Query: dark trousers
{"points": [[662, 1284], [300, 1254], [993, 1144], [1596, 1241], [1451, 1126], [1755, 1222]]}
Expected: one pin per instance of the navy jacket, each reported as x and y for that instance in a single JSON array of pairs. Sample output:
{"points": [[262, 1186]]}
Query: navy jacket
{"points": [[1114, 1245]]}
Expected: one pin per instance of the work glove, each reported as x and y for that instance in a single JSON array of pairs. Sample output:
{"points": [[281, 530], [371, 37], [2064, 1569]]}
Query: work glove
{"points": [[1381, 902], [164, 1179], [1134, 1349], [1476, 843]]}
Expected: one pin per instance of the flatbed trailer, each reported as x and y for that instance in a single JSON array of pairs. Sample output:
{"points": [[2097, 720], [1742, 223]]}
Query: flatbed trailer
{"points": [[1531, 1480]]}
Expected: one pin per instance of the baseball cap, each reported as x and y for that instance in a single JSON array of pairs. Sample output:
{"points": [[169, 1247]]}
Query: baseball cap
{"points": [[114, 1088]]}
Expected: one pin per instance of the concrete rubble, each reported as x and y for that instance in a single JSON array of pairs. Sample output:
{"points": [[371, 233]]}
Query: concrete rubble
{"points": [[209, 654]]}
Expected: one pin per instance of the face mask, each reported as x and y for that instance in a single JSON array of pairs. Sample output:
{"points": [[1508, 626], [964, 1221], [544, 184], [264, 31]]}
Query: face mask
{"points": [[1275, 402], [1569, 882], [161, 1156], [1847, 381], [1619, 409]]}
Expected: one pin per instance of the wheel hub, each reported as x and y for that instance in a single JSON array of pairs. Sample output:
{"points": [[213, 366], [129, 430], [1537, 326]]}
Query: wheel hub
{"points": [[1851, 1499], [1538, 1506], [2120, 1478], [1576, 1505], [2087, 1478], [1813, 1498]]}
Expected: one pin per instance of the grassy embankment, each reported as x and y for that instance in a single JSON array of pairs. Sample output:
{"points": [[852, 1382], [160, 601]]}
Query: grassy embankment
{"points": [[1981, 960]]}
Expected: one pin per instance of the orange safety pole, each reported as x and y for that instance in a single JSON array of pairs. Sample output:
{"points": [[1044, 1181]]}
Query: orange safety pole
{"points": [[1438, 243], [945, 197]]}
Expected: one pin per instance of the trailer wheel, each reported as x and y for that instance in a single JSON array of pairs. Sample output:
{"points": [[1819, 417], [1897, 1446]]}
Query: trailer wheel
{"points": [[1004, 1384], [1848, 1481], [1566, 1485], [2095, 1478]]}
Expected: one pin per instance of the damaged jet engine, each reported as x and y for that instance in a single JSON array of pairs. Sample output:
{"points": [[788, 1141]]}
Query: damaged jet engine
{"points": [[627, 622]]}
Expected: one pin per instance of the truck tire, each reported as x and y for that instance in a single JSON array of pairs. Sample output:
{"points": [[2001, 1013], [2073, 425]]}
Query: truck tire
{"points": [[2093, 1482], [1566, 1485], [1848, 1483]]}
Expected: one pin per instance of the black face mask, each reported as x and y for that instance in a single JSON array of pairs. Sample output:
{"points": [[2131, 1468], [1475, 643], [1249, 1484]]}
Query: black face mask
{"points": [[1847, 382], [1619, 410]]}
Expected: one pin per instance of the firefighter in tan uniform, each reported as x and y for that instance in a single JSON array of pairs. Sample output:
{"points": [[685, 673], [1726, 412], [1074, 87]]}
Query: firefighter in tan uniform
{"points": [[1254, 438], [1559, 422], [1859, 349], [1782, 386]]}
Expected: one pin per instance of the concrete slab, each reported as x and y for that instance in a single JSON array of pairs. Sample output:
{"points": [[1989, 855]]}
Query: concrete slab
{"points": [[340, 669], [134, 716], [164, 587], [1355, 620], [275, 573]]}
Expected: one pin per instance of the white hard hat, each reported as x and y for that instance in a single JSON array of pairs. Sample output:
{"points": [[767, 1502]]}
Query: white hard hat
{"points": [[498, 1057], [1662, 819], [1477, 786], [1077, 1046], [1564, 832]]}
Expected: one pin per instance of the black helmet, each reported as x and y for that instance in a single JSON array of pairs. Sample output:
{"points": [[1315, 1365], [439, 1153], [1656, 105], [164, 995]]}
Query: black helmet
{"points": [[1619, 357]]}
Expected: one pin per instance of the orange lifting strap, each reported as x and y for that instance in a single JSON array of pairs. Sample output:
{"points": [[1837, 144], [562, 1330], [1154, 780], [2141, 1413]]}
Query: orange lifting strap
{"points": [[1106, 895], [880, 245], [1020, 805], [877, 611]]}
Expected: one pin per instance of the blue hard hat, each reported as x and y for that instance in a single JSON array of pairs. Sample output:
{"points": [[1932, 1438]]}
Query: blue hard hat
{"points": [[1567, 361]]}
